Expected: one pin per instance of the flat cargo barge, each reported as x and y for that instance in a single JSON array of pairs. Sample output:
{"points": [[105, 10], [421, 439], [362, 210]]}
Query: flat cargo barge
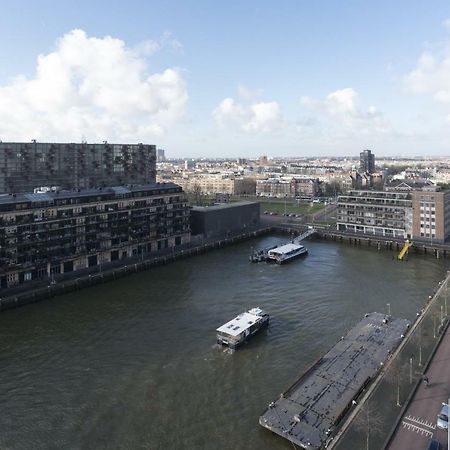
{"points": [[309, 412]]}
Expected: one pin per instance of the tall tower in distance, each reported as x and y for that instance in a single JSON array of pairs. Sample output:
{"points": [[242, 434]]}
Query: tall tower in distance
{"points": [[367, 161], [160, 155]]}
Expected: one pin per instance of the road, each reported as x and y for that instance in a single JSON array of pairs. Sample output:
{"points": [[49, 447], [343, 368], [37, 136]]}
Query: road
{"points": [[418, 424]]}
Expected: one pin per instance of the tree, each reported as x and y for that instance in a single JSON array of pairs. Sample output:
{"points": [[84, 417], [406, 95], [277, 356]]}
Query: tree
{"points": [[197, 192], [369, 421], [398, 370]]}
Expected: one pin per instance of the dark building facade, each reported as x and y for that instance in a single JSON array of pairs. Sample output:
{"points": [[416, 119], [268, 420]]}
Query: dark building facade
{"points": [[367, 162], [224, 219], [27, 166], [45, 234]]}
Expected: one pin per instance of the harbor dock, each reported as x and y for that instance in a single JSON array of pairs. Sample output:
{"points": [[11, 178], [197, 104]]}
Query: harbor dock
{"points": [[309, 412]]}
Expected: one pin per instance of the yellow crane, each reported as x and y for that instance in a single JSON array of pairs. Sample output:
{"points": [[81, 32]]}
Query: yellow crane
{"points": [[404, 250]]}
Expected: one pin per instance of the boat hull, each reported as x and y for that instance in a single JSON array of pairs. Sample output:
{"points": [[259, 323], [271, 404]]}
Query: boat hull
{"points": [[290, 258]]}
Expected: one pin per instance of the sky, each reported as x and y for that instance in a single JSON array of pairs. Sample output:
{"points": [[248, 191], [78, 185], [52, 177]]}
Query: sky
{"points": [[229, 79]]}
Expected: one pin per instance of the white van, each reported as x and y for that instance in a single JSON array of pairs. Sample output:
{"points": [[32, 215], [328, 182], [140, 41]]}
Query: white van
{"points": [[442, 418]]}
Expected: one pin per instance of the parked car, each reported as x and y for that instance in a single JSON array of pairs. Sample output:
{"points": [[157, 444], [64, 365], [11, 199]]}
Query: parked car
{"points": [[433, 445], [442, 418], [266, 212]]}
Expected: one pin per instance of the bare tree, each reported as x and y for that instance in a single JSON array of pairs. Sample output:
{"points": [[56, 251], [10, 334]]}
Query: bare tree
{"points": [[369, 421], [398, 370], [197, 192]]}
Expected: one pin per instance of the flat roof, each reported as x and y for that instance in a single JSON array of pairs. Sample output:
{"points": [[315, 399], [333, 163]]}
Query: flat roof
{"points": [[219, 206], [285, 249], [239, 324], [74, 193], [315, 404]]}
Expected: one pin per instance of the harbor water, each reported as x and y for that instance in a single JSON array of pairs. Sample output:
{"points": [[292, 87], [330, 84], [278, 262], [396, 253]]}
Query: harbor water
{"points": [[133, 364]]}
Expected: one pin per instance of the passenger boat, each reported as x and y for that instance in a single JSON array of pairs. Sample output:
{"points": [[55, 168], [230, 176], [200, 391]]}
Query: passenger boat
{"points": [[286, 253], [243, 327]]}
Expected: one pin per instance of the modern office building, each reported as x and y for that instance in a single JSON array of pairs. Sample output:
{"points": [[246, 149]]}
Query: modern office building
{"points": [[431, 215], [367, 161], [25, 167], [376, 213], [45, 234]]}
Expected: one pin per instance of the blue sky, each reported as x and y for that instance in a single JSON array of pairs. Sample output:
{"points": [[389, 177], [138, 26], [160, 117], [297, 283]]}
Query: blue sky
{"points": [[291, 78]]}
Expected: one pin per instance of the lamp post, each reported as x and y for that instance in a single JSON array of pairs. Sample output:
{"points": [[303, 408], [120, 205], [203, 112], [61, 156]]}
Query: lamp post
{"points": [[389, 308], [410, 370]]}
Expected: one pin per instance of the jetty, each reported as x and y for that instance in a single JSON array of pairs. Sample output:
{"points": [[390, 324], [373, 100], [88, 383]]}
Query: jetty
{"points": [[309, 412]]}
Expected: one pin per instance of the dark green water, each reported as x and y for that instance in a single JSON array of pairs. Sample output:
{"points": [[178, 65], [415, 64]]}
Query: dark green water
{"points": [[133, 364]]}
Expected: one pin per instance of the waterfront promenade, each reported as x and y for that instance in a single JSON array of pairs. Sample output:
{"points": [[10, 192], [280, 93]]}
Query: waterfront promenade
{"points": [[418, 423]]}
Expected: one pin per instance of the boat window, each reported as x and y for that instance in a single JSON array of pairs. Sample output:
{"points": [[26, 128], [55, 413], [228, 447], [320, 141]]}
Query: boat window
{"points": [[250, 322]]}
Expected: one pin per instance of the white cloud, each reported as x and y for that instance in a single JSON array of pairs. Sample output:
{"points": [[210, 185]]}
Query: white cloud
{"points": [[342, 108], [93, 87], [446, 23], [431, 76], [257, 117]]}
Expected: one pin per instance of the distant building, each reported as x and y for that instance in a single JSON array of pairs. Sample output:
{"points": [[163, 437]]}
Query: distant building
{"points": [[160, 155], [26, 166], [288, 187], [224, 219], [274, 187], [367, 161], [263, 161], [45, 234], [217, 184], [407, 185]]}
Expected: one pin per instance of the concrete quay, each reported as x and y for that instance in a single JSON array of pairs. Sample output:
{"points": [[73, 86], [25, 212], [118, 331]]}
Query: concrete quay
{"points": [[73, 281]]}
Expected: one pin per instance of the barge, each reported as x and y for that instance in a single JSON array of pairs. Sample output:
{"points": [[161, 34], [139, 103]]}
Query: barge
{"points": [[310, 411], [239, 330]]}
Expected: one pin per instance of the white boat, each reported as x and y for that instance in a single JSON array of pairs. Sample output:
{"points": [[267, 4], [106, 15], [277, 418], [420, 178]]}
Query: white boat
{"points": [[243, 327], [286, 253]]}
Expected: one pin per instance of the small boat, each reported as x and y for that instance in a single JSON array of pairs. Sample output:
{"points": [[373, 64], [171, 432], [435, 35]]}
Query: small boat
{"points": [[286, 253], [242, 328]]}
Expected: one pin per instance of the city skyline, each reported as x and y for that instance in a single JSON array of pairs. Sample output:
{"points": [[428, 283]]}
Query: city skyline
{"points": [[203, 80]]}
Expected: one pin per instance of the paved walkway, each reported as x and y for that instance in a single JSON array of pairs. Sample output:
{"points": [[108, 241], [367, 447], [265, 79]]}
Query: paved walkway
{"points": [[418, 425]]}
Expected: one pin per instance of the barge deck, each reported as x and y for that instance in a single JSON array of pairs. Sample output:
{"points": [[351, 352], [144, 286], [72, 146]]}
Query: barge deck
{"points": [[309, 412]]}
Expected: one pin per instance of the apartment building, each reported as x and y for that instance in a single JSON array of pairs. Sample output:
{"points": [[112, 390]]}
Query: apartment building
{"points": [[45, 234], [431, 215], [216, 184], [288, 187], [376, 213], [27, 166]]}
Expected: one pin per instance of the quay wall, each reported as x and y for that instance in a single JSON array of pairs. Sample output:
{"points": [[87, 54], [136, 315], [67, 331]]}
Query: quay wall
{"points": [[127, 268], [33, 294], [377, 242]]}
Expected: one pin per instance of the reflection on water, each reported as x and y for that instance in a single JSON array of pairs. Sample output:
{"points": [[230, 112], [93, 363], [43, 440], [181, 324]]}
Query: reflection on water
{"points": [[133, 363]]}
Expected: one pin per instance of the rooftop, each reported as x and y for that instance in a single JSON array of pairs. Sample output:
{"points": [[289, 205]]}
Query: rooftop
{"points": [[77, 193], [239, 324], [285, 249]]}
